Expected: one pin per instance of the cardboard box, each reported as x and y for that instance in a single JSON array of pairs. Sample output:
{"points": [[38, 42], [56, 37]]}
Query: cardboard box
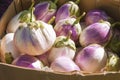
{"points": [[10, 72]]}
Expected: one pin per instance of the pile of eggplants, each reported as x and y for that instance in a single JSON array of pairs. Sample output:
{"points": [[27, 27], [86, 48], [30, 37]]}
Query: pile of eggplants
{"points": [[47, 35]]}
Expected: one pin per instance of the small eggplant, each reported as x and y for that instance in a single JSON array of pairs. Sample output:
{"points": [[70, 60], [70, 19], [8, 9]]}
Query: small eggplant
{"points": [[45, 11], [8, 49], [99, 33], [63, 27], [94, 16], [22, 17], [92, 58], [34, 39], [69, 9], [63, 46], [64, 64], [28, 61]]}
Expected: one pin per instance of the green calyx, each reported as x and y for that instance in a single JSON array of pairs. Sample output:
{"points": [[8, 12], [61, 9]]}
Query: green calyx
{"points": [[51, 20], [35, 25], [79, 18], [113, 63], [63, 41], [8, 58], [77, 1], [115, 24], [27, 15], [74, 9], [52, 5], [105, 22]]}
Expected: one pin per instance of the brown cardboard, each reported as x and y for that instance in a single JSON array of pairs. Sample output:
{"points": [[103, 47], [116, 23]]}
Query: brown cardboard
{"points": [[112, 7], [10, 72]]}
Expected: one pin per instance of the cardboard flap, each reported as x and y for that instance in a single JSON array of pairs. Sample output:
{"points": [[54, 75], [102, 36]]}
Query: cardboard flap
{"points": [[111, 7], [6, 18], [9, 72]]}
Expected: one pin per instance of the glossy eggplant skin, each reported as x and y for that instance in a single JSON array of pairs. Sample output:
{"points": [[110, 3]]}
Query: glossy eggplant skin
{"points": [[95, 15], [35, 38], [68, 9], [45, 10], [99, 33]]}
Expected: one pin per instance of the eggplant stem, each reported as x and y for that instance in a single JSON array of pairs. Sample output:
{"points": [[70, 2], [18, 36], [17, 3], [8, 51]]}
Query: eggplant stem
{"points": [[69, 35], [55, 1], [77, 1], [78, 19], [32, 5], [114, 24], [32, 14], [31, 9], [8, 58], [51, 20]]}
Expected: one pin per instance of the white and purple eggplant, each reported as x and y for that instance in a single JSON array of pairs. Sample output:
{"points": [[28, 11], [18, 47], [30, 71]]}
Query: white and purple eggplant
{"points": [[22, 17], [34, 39], [96, 15], [64, 64], [92, 58], [63, 27], [28, 61], [69, 9], [45, 10], [99, 33], [8, 49], [63, 46]]}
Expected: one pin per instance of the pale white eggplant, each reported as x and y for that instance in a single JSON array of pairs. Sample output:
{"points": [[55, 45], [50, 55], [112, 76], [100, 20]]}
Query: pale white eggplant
{"points": [[22, 17], [63, 46], [91, 58], [8, 49], [35, 39], [64, 64]]}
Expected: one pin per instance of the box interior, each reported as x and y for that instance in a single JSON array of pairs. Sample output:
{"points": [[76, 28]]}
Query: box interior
{"points": [[112, 7]]}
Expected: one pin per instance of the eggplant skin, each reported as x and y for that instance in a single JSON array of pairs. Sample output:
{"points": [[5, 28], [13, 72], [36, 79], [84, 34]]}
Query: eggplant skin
{"points": [[35, 41], [95, 33]]}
